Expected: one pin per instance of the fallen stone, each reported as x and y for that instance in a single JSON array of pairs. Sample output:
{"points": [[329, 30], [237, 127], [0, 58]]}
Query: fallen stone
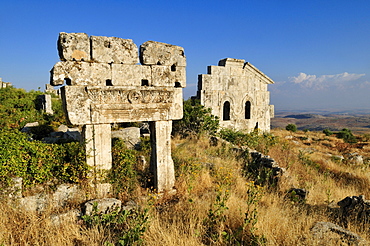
{"points": [[63, 194], [70, 216], [129, 205], [327, 233], [103, 205], [36, 203], [27, 128], [130, 135]]}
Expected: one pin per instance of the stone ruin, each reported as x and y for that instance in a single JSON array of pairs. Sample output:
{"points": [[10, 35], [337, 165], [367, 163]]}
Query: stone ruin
{"points": [[4, 84], [237, 93], [104, 84]]}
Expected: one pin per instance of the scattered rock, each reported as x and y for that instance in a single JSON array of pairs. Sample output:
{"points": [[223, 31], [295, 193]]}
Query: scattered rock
{"points": [[327, 233], [63, 194], [355, 208], [129, 205], [72, 215], [130, 135], [27, 128], [297, 194], [103, 205], [36, 203]]}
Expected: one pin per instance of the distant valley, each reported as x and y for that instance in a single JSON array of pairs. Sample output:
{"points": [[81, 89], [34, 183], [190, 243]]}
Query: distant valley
{"points": [[358, 121]]}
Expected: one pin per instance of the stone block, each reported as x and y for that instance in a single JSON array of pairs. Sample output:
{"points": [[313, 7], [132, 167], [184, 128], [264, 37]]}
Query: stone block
{"points": [[131, 75], [74, 46], [63, 194], [103, 205], [232, 62], [168, 76], [130, 135], [156, 53], [218, 70], [80, 73], [113, 50], [44, 103]]}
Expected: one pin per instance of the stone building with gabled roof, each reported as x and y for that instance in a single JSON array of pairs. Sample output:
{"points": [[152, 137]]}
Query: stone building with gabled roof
{"points": [[236, 91]]}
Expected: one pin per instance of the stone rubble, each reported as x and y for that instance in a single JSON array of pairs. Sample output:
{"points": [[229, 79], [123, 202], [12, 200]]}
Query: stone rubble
{"points": [[326, 233]]}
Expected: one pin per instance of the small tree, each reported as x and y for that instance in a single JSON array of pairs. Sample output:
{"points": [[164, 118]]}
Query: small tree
{"points": [[291, 127], [196, 120]]}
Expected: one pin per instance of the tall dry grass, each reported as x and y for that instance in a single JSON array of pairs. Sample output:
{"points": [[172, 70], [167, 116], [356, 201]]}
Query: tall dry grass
{"points": [[214, 194]]}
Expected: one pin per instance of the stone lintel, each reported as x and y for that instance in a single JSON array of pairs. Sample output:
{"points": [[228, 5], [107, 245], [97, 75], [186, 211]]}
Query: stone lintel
{"points": [[111, 104], [161, 161]]}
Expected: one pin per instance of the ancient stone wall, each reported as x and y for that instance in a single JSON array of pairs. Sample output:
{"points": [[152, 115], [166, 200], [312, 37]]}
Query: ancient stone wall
{"points": [[105, 84], [4, 84], [237, 93]]}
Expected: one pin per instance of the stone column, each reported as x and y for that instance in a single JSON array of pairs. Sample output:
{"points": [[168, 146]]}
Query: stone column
{"points": [[161, 162], [98, 154]]}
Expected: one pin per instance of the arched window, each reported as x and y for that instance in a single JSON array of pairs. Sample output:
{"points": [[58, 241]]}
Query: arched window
{"points": [[248, 110], [226, 111]]}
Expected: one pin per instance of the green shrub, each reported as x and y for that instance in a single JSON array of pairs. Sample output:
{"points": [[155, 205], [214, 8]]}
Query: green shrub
{"points": [[126, 226], [123, 176], [346, 135], [38, 162], [327, 132], [196, 120], [291, 127]]}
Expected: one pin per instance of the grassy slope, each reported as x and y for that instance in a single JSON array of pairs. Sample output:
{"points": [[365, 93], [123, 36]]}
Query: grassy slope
{"points": [[213, 195]]}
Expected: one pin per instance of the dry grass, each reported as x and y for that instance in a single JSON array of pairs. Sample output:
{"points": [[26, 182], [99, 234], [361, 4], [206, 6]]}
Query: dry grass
{"points": [[203, 173]]}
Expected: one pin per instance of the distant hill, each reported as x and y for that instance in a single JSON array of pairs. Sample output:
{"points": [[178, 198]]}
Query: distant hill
{"points": [[335, 121], [304, 116]]}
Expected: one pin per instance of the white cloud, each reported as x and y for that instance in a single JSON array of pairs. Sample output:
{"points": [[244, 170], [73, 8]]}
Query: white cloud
{"points": [[324, 81]]}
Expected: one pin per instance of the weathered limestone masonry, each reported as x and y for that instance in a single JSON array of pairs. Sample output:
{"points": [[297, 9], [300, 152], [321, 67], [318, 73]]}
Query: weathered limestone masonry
{"points": [[4, 84], [105, 85], [237, 93]]}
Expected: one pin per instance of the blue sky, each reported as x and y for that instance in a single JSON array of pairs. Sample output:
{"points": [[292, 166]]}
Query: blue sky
{"points": [[317, 52]]}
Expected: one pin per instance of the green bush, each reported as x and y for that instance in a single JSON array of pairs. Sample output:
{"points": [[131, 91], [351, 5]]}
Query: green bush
{"points": [[123, 176], [17, 107], [127, 227], [38, 162], [346, 135], [327, 132], [196, 120], [291, 127]]}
